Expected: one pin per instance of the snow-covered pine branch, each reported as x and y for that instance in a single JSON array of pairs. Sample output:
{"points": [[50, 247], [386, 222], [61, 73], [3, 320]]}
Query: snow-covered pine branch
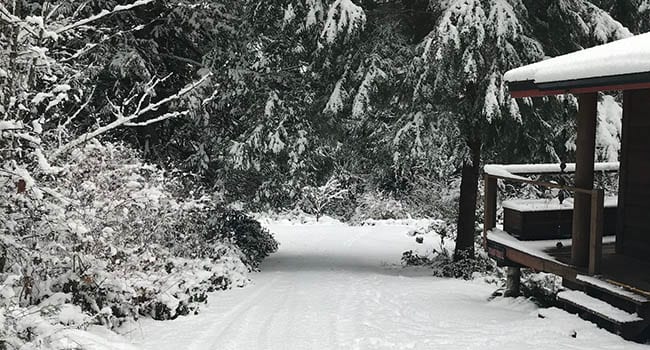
{"points": [[122, 120], [343, 18], [361, 103], [602, 26], [337, 98], [645, 6], [315, 13]]}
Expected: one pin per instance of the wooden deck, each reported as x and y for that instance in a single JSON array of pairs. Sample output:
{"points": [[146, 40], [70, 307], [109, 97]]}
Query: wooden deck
{"points": [[554, 256], [616, 269]]}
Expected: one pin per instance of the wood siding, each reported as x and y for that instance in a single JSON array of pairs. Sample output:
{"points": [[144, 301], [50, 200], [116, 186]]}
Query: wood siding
{"points": [[633, 234]]}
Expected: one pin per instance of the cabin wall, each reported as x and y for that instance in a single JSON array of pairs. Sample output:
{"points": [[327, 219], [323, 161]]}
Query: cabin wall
{"points": [[633, 234]]}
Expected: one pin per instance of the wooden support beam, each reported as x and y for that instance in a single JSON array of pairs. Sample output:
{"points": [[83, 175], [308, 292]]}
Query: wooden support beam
{"points": [[628, 104], [633, 223], [490, 206], [540, 264], [596, 234], [584, 178], [513, 282]]}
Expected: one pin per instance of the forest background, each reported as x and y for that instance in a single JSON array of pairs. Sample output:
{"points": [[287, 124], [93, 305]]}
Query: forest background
{"points": [[151, 126]]}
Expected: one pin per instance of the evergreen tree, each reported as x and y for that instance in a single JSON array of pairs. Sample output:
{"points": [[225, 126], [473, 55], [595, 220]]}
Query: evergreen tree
{"points": [[629, 12], [644, 16], [474, 43]]}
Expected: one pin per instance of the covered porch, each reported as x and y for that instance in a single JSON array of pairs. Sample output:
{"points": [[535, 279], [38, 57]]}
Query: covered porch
{"points": [[609, 275], [612, 289]]}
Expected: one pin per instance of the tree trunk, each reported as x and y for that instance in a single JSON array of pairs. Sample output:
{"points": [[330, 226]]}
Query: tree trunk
{"points": [[467, 204]]}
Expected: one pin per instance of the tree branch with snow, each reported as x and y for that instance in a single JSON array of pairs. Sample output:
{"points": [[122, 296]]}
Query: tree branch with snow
{"points": [[140, 111], [102, 14]]}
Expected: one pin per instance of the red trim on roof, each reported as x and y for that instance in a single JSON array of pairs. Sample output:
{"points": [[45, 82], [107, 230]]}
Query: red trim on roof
{"points": [[539, 93], [622, 87], [536, 93]]}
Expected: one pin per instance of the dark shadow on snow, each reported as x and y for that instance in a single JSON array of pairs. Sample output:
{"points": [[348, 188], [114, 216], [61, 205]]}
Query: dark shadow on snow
{"points": [[332, 262]]}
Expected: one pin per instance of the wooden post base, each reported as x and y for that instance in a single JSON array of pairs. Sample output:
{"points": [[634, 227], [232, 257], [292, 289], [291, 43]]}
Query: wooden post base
{"points": [[513, 282]]}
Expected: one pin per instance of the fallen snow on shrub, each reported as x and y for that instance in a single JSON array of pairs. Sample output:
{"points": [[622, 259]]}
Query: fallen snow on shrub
{"points": [[110, 239]]}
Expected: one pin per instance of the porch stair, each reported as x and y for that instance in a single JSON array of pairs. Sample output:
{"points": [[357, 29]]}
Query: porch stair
{"points": [[616, 295], [610, 306]]}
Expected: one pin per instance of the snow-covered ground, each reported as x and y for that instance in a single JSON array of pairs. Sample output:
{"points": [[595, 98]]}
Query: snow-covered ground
{"points": [[332, 286]]}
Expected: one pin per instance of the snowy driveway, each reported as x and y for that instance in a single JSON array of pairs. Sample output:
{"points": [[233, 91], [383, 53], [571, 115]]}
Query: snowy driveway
{"points": [[332, 286]]}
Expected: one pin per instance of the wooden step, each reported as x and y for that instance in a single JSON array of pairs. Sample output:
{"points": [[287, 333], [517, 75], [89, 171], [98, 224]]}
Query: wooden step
{"points": [[616, 295], [628, 325]]}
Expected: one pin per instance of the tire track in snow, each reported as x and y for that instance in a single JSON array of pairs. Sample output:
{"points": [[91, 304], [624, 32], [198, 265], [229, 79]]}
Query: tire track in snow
{"points": [[276, 311], [215, 331], [328, 288]]}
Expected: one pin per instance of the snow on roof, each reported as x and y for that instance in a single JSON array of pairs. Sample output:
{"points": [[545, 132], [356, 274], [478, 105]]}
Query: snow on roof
{"points": [[625, 56]]}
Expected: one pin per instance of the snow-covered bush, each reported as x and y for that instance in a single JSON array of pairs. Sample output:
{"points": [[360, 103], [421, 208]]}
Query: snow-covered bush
{"points": [[229, 225], [442, 260], [378, 206], [443, 263], [89, 226], [540, 287], [117, 238]]}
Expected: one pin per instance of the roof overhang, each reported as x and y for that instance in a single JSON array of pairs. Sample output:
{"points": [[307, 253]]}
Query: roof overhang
{"points": [[529, 88], [620, 65]]}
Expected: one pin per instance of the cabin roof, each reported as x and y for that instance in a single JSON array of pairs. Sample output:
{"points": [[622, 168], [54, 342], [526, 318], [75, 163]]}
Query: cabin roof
{"points": [[619, 65]]}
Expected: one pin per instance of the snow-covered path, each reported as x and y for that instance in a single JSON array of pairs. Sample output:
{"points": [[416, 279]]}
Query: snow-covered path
{"points": [[338, 287]]}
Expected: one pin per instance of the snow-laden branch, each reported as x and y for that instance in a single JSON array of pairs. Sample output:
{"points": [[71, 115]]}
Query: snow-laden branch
{"points": [[139, 112], [62, 127], [10, 19], [60, 197], [159, 119], [343, 17], [102, 14], [210, 98], [6, 16], [91, 46]]}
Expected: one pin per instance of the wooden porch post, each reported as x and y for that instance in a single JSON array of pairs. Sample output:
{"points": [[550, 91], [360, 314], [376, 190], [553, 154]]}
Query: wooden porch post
{"points": [[596, 236], [513, 282], [490, 206], [584, 177]]}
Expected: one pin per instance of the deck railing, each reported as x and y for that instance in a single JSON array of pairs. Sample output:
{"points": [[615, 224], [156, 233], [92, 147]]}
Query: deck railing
{"points": [[513, 173]]}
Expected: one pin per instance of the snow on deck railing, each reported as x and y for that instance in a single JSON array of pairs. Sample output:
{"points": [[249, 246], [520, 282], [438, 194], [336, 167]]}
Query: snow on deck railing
{"points": [[510, 170]]}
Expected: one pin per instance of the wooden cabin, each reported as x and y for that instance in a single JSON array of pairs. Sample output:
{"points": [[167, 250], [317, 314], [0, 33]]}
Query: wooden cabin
{"points": [[599, 246]]}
